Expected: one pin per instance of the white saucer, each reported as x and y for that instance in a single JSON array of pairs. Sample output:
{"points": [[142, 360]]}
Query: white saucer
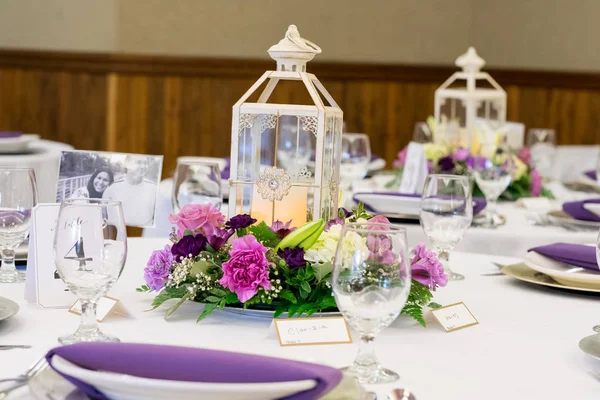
{"points": [[17, 144]]}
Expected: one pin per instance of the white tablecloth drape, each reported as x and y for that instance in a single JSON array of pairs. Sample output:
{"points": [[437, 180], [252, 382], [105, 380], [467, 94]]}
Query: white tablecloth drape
{"points": [[525, 346], [44, 158]]}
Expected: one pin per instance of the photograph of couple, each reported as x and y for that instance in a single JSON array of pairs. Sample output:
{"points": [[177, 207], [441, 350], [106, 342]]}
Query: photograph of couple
{"points": [[130, 178]]}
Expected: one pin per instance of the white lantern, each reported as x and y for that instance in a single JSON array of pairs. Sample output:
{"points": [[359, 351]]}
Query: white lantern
{"points": [[470, 107], [285, 158]]}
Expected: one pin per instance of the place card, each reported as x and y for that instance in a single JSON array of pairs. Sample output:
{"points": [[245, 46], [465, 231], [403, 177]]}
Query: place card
{"points": [[415, 169], [312, 331], [454, 317], [104, 306], [43, 285]]}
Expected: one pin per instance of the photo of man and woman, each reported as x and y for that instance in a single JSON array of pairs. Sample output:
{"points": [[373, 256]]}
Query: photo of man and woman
{"points": [[130, 178]]}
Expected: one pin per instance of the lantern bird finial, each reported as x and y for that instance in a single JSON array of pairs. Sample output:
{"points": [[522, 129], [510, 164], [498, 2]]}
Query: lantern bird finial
{"points": [[293, 52], [470, 62]]}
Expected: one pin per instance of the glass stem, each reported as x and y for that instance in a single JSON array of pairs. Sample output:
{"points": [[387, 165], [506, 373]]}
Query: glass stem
{"points": [[444, 257], [491, 208], [366, 352], [8, 261], [88, 316]]}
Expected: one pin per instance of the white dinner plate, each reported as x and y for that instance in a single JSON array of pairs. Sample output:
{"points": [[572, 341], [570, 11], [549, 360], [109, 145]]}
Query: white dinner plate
{"points": [[563, 273], [8, 308], [127, 387], [561, 218], [589, 181], [17, 144]]}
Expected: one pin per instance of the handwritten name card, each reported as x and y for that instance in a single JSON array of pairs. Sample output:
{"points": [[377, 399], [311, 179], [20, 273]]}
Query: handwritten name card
{"points": [[311, 331], [454, 317], [104, 306]]}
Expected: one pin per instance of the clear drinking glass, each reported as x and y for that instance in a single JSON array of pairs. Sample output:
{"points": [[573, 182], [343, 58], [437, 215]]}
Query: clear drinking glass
{"points": [[356, 156], [18, 197], [295, 147], [446, 213], [422, 133], [493, 175], [542, 144], [90, 249], [196, 183], [371, 281]]}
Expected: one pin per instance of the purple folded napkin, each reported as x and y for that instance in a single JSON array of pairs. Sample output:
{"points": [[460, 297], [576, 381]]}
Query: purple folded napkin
{"points": [[578, 255], [9, 134], [591, 175], [479, 204], [192, 365], [577, 210]]}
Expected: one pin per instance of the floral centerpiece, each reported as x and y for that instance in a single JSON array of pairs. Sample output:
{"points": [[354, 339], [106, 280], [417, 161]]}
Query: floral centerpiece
{"points": [[444, 157], [242, 263]]}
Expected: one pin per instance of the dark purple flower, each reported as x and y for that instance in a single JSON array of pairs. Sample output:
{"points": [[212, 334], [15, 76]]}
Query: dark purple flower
{"points": [[476, 162], [293, 257], [240, 221], [343, 213], [189, 244], [219, 237], [281, 229], [335, 221], [446, 164]]}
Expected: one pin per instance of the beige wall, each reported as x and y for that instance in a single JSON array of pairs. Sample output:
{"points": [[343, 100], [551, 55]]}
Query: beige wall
{"points": [[548, 34]]}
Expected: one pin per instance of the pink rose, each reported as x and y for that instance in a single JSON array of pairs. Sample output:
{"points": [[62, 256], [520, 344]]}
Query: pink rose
{"points": [[401, 160], [197, 217], [524, 155], [379, 219], [247, 269]]}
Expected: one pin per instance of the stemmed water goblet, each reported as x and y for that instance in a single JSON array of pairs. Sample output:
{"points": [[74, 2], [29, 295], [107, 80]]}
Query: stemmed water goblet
{"points": [[196, 182], [356, 156], [446, 213], [371, 281], [542, 145], [18, 197], [90, 249]]}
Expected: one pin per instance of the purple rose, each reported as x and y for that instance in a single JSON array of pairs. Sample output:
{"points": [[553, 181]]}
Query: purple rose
{"points": [[446, 164], [247, 269], [476, 162], [240, 221], [219, 237], [189, 245], [427, 269], [461, 154], [293, 257], [335, 221], [158, 268], [281, 229]]}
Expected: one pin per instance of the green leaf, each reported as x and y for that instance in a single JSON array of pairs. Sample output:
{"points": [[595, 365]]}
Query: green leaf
{"points": [[263, 234], [321, 271], [218, 292], [287, 294], [169, 293], [212, 299], [434, 305], [232, 298], [292, 310], [187, 232], [222, 304], [303, 293], [143, 288], [208, 309], [281, 308], [176, 305], [304, 285], [416, 312]]}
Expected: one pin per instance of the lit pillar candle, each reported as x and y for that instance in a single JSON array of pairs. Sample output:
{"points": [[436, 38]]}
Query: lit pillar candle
{"points": [[294, 206]]}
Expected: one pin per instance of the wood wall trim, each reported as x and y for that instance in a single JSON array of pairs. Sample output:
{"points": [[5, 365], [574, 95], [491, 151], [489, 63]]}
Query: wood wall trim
{"points": [[104, 63]]}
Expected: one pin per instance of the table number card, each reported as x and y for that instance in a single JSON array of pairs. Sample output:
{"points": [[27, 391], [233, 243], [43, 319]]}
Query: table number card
{"points": [[311, 331], [415, 169], [454, 317]]}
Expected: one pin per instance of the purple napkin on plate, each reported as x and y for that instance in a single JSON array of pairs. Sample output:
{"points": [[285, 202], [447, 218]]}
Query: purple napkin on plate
{"points": [[591, 175], [577, 210], [9, 134], [578, 255], [192, 365]]}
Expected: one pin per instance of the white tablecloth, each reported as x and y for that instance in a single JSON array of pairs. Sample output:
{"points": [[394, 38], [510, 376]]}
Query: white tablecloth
{"points": [[44, 158], [525, 346]]}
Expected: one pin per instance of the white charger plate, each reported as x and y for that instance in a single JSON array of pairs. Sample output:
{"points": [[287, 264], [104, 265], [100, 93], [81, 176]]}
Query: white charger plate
{"points": [[8, 308], [17, 144], [563, 273], [127, 387], [523, 273]]}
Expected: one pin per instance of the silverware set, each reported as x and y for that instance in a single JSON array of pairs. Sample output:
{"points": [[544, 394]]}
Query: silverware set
{"points": [[14, 346], [24, 378]]}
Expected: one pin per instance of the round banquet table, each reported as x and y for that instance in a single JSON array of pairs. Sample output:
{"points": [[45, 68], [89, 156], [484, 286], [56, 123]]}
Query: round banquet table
{"points": [[525, 346], [44, 157]]}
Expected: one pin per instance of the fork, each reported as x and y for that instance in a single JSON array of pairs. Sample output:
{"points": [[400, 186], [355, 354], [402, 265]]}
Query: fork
{"points": [[36, 368]]}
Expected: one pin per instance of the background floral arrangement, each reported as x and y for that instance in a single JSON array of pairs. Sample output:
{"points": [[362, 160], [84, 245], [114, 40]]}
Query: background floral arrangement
{"points": [[445, 158], [240, 262]]}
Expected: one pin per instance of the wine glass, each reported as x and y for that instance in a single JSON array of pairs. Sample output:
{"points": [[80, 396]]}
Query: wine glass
{"points": [[90, 249], [296, 146], [493, 175], [422, 133], [196, 182], [371, 281], [542, 145], [446, 213], [356, 156], [18, 197]]}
